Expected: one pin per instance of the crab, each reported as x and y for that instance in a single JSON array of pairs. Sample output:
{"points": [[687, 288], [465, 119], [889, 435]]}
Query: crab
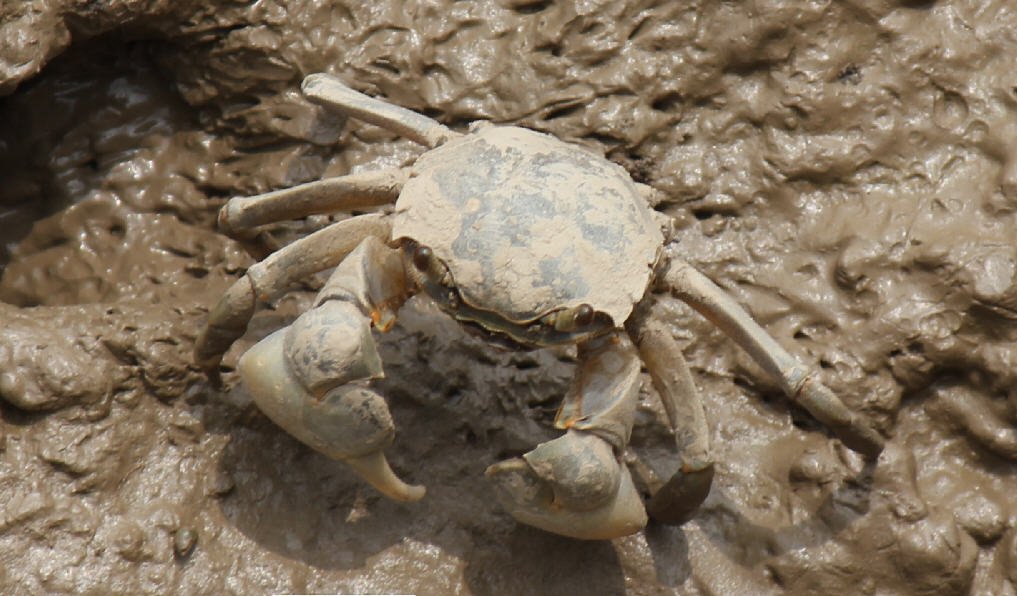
{"points": [[531, 242]]}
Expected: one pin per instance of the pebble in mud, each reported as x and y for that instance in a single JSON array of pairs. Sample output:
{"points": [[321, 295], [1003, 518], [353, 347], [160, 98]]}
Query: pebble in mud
{"points": [[128, 539], [184, 541]]}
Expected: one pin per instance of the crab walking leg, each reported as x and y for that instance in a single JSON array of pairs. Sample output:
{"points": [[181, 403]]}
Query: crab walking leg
{"points": [[675, 501], [264, 280], [798, 381], [575, 485], [355, 191], [328, 91], [299, 376]]}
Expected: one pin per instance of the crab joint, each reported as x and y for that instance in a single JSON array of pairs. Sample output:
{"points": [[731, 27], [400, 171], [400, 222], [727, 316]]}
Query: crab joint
{"points": [[570, 319], [382, 319]]}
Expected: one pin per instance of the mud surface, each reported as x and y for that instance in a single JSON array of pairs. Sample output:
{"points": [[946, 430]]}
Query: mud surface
{"points": [[847, 170]]}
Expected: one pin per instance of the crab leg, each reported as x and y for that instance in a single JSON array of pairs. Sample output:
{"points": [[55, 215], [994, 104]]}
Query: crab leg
{"points": [[355, 191], [799, 383], [575, 485], [330, 92], [265, 280], [301, 376], [675, 501]]}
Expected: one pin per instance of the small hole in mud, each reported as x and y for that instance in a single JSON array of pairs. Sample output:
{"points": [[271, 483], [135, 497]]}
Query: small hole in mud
{"points": [[116, 230], [705, 214], [825, 364], [800, 335], [562, 111], [850, 74], [667, 102], [386, 65], [709, 101], [433, 113], [799, 113], [196, 272], [92, 165], [605, 139], [508, 454], [533, 7], [469, 437], [775, 576], [550, 48], [638, 29]]}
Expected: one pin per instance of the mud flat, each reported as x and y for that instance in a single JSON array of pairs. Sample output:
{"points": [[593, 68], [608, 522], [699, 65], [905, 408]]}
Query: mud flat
{"points": [[847, 170]]}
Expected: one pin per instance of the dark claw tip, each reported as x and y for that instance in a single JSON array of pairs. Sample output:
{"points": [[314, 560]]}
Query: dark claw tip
{"points": [[678, 500]]}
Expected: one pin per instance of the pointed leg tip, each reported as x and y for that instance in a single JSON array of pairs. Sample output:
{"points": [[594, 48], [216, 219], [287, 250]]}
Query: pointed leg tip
{"points": [[208, 366], [313, 80], [214, 377], [415, 492], [866, 441], [850, 427]]}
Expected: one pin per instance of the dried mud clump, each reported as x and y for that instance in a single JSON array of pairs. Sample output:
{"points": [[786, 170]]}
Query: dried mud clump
{"points": [[847, 170]]}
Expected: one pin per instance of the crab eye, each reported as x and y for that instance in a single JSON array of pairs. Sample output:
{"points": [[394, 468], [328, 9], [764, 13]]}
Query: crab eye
{"points": [[422, 258], [584, 315], [573, 319]]}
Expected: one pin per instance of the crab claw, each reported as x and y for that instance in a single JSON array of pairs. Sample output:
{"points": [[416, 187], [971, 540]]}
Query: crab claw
{"points": [[349, 423], [568, 486], [531, 501]]}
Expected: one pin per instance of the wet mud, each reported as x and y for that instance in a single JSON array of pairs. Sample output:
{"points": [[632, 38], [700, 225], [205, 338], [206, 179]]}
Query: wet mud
{"points": [[846, 170]]}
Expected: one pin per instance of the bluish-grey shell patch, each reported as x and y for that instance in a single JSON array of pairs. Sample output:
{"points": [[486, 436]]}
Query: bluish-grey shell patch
{"points": [[528, 224]]}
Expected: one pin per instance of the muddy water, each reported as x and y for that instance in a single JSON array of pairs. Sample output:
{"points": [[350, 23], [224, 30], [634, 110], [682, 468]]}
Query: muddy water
{"points": [[847, 170]]}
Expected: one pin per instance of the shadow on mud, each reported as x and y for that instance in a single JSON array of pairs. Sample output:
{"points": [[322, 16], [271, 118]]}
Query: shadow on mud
{"points": [[456, 406], [459, 407], [304, 506]]}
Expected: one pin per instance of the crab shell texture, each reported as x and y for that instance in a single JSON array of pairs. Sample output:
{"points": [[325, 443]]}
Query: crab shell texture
{"points": [[528, 224]]}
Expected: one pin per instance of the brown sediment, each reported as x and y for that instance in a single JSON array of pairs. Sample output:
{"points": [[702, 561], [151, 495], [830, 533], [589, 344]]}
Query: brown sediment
{"points": [[847, 171]]}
